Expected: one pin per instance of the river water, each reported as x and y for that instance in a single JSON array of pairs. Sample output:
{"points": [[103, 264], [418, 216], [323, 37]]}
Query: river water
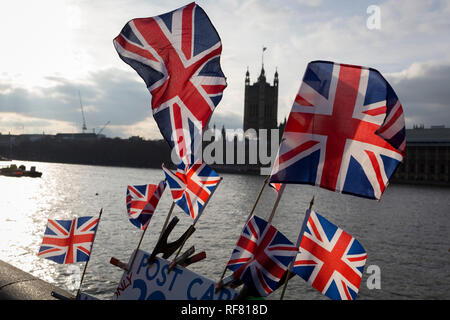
{"points": [[406, 234]]}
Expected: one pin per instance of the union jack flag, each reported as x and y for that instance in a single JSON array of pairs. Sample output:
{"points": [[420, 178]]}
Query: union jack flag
{"points": [[142, 201], [178, 56], [261, 256], [192, 186], [276, 186], [68, 241], [345, 132], [330, 259]]}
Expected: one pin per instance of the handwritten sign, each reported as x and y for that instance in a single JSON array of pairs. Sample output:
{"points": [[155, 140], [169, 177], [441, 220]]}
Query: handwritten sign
{"points": [[156, 283]]}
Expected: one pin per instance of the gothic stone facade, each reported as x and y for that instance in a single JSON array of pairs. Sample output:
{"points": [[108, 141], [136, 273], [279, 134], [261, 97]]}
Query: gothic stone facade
{"points": [[261, 103]]}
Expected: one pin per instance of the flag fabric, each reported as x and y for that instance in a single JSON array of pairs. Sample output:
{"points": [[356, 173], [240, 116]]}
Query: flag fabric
{"points": [[142, 201], [330, 259], [345, 132], [68, 241], [192, 186], [261, 256], [178, 56], [275, 186]]}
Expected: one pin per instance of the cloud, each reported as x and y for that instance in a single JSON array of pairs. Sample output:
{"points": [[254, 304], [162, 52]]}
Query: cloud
{"points": [[106, 95], [423, 91]]}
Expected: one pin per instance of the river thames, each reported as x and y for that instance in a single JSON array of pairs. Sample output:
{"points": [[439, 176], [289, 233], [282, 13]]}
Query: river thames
{"points": [[406, 234]]}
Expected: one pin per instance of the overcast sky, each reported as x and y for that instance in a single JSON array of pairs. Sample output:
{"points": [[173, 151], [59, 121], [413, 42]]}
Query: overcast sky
{"points": [[53, 49]]}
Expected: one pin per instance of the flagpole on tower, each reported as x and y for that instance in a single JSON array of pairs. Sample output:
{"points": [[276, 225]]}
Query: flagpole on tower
{"points": [[262, 55], [92, 246], [300, 236]]}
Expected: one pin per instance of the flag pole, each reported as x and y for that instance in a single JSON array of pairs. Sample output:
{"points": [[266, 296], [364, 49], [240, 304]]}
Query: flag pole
{"points": [[85, 266], [258, 197], [249, 216], [143, 234], [198, 216], [300, 236], [167, 219], [277, 201], [137, 248]]}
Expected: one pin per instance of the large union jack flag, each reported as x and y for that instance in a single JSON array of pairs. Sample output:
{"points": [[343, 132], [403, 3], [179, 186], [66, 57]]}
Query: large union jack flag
{"points": [[178, 56], [345, 132], [142, 201], [68, 241], [330, 259], [261, 256], [192, 186]]}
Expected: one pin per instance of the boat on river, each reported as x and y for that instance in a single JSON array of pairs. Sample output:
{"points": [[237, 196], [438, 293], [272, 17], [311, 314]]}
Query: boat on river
{"points": [[14, 171]]}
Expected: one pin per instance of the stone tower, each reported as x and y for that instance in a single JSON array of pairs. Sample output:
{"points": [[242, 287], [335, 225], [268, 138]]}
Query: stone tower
{"points": [[261, 102]]}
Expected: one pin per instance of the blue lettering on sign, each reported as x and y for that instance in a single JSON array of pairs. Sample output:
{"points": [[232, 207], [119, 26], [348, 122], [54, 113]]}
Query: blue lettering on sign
{"points": [[163, 276], [175, 272], [160, 276], [188, 293], [141, 285], [156, 295], [209, 293], [143, 263]]}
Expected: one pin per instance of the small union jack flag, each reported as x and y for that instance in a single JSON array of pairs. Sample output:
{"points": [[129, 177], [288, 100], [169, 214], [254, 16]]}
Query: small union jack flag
{"points": [[142, 201], [261, 256], [276, 186], [330, 259], [345, 132], [192, 186], [177, 54], [68, 241]]}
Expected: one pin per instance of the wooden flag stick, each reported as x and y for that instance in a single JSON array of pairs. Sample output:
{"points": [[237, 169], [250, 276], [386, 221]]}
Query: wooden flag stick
{"points": [[248, 218], [167, 219], [300, 236], [277, 201], [92, 246], [198, 216], [143, 234], [257, 198], [135, 252]]}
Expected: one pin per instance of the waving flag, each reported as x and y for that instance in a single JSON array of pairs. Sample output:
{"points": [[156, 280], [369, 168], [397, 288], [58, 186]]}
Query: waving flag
{"points": [[345, 132], [142, 201], [275, 186], [192, 186], [330, 259], [261, 256], [178, 56], [68, 241]]}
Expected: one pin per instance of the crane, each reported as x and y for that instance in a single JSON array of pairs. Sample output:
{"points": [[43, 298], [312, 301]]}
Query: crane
{"points": [[100, 131], [82, 113]]}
